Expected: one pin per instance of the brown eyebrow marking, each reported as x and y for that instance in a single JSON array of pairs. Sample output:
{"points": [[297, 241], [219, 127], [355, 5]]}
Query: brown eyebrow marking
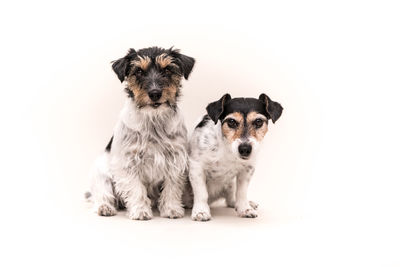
{"points": [[252, 116], [259, 133], [233, 134], [164, 60], [142, 63]]}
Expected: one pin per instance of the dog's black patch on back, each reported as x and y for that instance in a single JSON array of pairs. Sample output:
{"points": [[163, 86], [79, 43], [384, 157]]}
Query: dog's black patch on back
{"points": [[108, 147], [204, 121]]}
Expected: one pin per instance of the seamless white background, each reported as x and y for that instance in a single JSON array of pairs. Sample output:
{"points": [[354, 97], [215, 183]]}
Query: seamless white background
{"points": [[327, 179]]}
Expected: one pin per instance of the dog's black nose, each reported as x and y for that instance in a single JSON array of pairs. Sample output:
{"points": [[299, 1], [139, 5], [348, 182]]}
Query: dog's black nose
{"points": [[155, 95], [244, 149]]}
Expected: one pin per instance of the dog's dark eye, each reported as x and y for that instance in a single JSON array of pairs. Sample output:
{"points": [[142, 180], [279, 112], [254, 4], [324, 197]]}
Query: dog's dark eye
{"points": [[166, 71], [139, 71], [232, 123], [258, 123]]}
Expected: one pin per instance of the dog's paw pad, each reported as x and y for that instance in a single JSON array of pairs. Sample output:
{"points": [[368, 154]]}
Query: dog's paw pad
{"points": [[141, 215], [173, 213], [201, 216], [248, 213], [253, 204], [106, 210]]}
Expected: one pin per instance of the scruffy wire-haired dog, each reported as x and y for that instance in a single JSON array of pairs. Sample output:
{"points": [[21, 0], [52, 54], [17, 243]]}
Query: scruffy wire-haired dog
{"points": [[223, 149], [145, 163]]}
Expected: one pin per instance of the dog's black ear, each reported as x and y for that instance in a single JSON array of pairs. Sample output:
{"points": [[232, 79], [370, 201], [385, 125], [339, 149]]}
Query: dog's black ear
{"points": [[185, 63], [215, 109], [122, 66], [274, 109]]}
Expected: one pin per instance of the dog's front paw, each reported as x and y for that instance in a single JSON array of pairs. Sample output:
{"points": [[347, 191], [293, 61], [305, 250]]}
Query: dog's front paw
{"points": [[201, 213], [201, 216], [143, 213], [106, 210], [172, 212], [247, 212]]}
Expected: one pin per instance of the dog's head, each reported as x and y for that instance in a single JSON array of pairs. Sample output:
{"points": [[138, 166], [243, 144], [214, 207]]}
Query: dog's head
{"points": [[153, 75], [244, 121]]}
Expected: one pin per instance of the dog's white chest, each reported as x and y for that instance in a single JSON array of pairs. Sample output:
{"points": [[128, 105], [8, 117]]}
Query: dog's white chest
{"points": [[223, 170], [151, 151]]}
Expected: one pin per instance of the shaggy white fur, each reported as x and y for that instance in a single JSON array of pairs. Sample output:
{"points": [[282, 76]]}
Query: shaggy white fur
{"points": [[216, 171], [146, 166]]}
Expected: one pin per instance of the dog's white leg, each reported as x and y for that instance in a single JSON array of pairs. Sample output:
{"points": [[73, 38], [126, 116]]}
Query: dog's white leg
{"points": [[242, 206], [137, 202], [201, 210], [102, 189], [170, 202], [230, 197]]}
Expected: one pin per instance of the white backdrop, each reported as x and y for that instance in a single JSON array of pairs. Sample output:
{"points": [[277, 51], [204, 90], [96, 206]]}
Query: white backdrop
{"points": [[327, 180]]}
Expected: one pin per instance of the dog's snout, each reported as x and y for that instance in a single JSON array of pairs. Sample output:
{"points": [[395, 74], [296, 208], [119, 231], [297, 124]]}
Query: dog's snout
{"points": [[155, 94], [244, 149]]}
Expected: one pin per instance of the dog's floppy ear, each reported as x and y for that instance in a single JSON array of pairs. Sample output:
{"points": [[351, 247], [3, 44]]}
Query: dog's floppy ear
{"points": [[274, 109], [122, 66], [215, 109], [185, 63]]}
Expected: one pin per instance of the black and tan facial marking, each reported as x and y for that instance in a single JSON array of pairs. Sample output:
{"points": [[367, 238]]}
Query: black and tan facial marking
{"points": [[238, 125], [257, 125], [233, 126], [141, 63], [244, 119], [153, 75]]}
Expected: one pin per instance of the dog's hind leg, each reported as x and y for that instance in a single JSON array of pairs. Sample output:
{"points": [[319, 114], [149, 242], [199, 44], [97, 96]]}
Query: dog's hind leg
{"points": [[102, 192]]}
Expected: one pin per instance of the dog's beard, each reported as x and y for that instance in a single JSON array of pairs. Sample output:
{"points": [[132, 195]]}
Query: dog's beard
{"points": [[161, 106], [153, 112], [142, 101]]}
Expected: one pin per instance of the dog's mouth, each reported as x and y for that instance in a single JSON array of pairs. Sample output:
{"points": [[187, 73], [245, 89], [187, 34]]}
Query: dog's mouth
{"points": [[245, 157], [156, 105]]}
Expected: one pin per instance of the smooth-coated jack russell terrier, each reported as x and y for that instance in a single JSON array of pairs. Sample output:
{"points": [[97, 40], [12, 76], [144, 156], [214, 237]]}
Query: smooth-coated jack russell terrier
{"points": [[222, 152], [145, 163]]}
